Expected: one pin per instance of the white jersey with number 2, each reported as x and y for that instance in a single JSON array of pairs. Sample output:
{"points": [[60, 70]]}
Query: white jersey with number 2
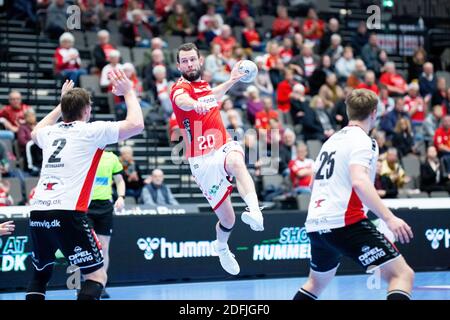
{"points": [[71, 153], [334, 203]]}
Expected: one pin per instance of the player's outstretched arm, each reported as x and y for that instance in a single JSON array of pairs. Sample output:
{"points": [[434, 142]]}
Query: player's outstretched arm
{"points": [[134, 122], [6, 228], [222, 89], [55, 114], [186, 103], [366, 191]]}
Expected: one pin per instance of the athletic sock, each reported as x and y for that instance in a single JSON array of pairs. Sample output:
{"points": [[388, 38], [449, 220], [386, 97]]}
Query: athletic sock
{"points": [[221, 245], [303, 294], [251, 200], [398, 295]]}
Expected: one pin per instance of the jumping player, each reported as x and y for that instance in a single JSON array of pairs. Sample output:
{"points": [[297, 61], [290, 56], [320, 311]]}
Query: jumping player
{"points": [[72, 150], [213, 157], [343, 190]]}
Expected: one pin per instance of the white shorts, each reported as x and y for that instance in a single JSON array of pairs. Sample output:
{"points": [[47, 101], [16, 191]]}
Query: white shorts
{"points": [[210, 174]]}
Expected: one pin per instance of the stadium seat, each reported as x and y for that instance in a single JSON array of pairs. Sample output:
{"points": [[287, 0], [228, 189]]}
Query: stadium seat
{"points": [[130, 200], [411, 165], [15, 189], [91, 83], [125, 54], [274, 180], [174, 41], [439, 194], [138, 56], [313, 148], [303, 201], [79, 39]]}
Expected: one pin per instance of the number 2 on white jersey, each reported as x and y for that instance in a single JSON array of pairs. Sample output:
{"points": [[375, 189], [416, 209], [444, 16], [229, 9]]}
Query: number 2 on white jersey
{"points": [[207, 141]]}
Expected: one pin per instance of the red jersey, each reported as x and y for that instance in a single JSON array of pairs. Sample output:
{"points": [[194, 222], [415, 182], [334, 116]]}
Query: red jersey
{"points": [[394, 80], [418, 102], [262, 119], [14, 116], [295, 166], [442, 138], [373, 87], [201, 133]]}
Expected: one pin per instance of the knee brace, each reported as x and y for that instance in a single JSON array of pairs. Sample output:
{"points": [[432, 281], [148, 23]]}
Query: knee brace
{"points": [[224, 229], [90, 290], [38, 284]]}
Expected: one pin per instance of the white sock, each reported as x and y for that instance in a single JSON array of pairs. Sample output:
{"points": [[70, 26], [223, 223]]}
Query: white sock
{"points": [[251, 199], [221, 245]]}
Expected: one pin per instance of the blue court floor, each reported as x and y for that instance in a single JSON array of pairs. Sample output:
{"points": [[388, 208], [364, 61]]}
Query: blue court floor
{"points": [[427, 286]]}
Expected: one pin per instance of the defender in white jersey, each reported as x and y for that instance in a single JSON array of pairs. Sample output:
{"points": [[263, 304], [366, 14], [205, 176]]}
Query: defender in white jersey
{"points": [[342, 193], [72, 150]]}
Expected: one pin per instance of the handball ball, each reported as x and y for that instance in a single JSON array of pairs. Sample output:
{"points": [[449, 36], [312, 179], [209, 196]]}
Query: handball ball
{"points": [[250, 69]]}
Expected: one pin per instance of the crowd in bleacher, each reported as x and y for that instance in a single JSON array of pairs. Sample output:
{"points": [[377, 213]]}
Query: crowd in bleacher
{"points": [[297, 100]]}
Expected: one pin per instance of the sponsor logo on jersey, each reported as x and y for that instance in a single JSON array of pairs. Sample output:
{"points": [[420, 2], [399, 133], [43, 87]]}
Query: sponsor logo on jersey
{"points": [[80, 256], [209, 100], [318, 203], [51, 183], [45, 224]]}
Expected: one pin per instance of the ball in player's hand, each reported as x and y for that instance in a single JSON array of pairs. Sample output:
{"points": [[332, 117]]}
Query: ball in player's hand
{"points": [[250, 69]]}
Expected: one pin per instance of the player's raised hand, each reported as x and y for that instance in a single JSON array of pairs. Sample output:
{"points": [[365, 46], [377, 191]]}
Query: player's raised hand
{"points": [[67, 86], [121, 85], [6, 228], [400, 229], [236, 75]]}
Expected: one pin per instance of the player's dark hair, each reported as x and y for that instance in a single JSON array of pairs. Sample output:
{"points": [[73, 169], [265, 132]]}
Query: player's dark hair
{"points": [[360, 104], [187, 47], [73, 103]]}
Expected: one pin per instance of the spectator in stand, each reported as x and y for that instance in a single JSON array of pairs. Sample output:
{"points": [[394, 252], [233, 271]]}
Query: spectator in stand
{"points": [[225, 105], [380, 137], [301, 170], [56, 21], [339, 112], [138, 32], [345, 65], [284, 90], [360, 38], [210, 24], [94, 16], [335, 50], [178, 23], [298, 103], [431, 124], [262, 118], [273, 63], [395, 83], [427, 81], [114, 64], [157, 59], [5, 165], [240, 10], [440, 95], [416, 108], [446, 102], [282, 25], [155, 192], [385, 103], [433, 176], [163, 8], [216, 64], [13, 115], [287, 151], [442, 142], [416, 64], [369, 82], [262, 81], [386, 189], [162, 87], [251, 39], [331, 92], [319, 76], [370, 54], [298, 43], [286, 52], [126, 12], [235, 126], [157, 43], [358, 75], [102, 49], [24, 132], [318, 124], [67, 59], [332, 28], [226, 41], [254, 103], [389, 120], [313, 27], [305, 63], [131, 173], [5, 200], [391, 167], [403, 139]]}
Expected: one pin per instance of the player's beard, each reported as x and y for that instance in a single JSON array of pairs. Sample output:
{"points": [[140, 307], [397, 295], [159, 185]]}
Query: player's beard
{"points": [[192, 75]]}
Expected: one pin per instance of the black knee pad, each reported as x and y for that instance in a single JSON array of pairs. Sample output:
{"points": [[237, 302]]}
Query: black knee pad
{"points": [[90, 290], [224, 229], [38, 284]]}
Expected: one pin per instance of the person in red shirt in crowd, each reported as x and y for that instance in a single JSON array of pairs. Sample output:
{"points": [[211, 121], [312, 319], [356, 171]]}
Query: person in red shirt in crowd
{"points": [[13, 115], [393, 81], [67, 59], [282, 25], [286, 51], [415, 105], [251, 39], [284, 91], [240, 10], [24, 132], [163, 8], [301, 170], [263, 117], [102, 49], [273, 55], [313, 27], [442, 141], [369, 82], [226, 41]]}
